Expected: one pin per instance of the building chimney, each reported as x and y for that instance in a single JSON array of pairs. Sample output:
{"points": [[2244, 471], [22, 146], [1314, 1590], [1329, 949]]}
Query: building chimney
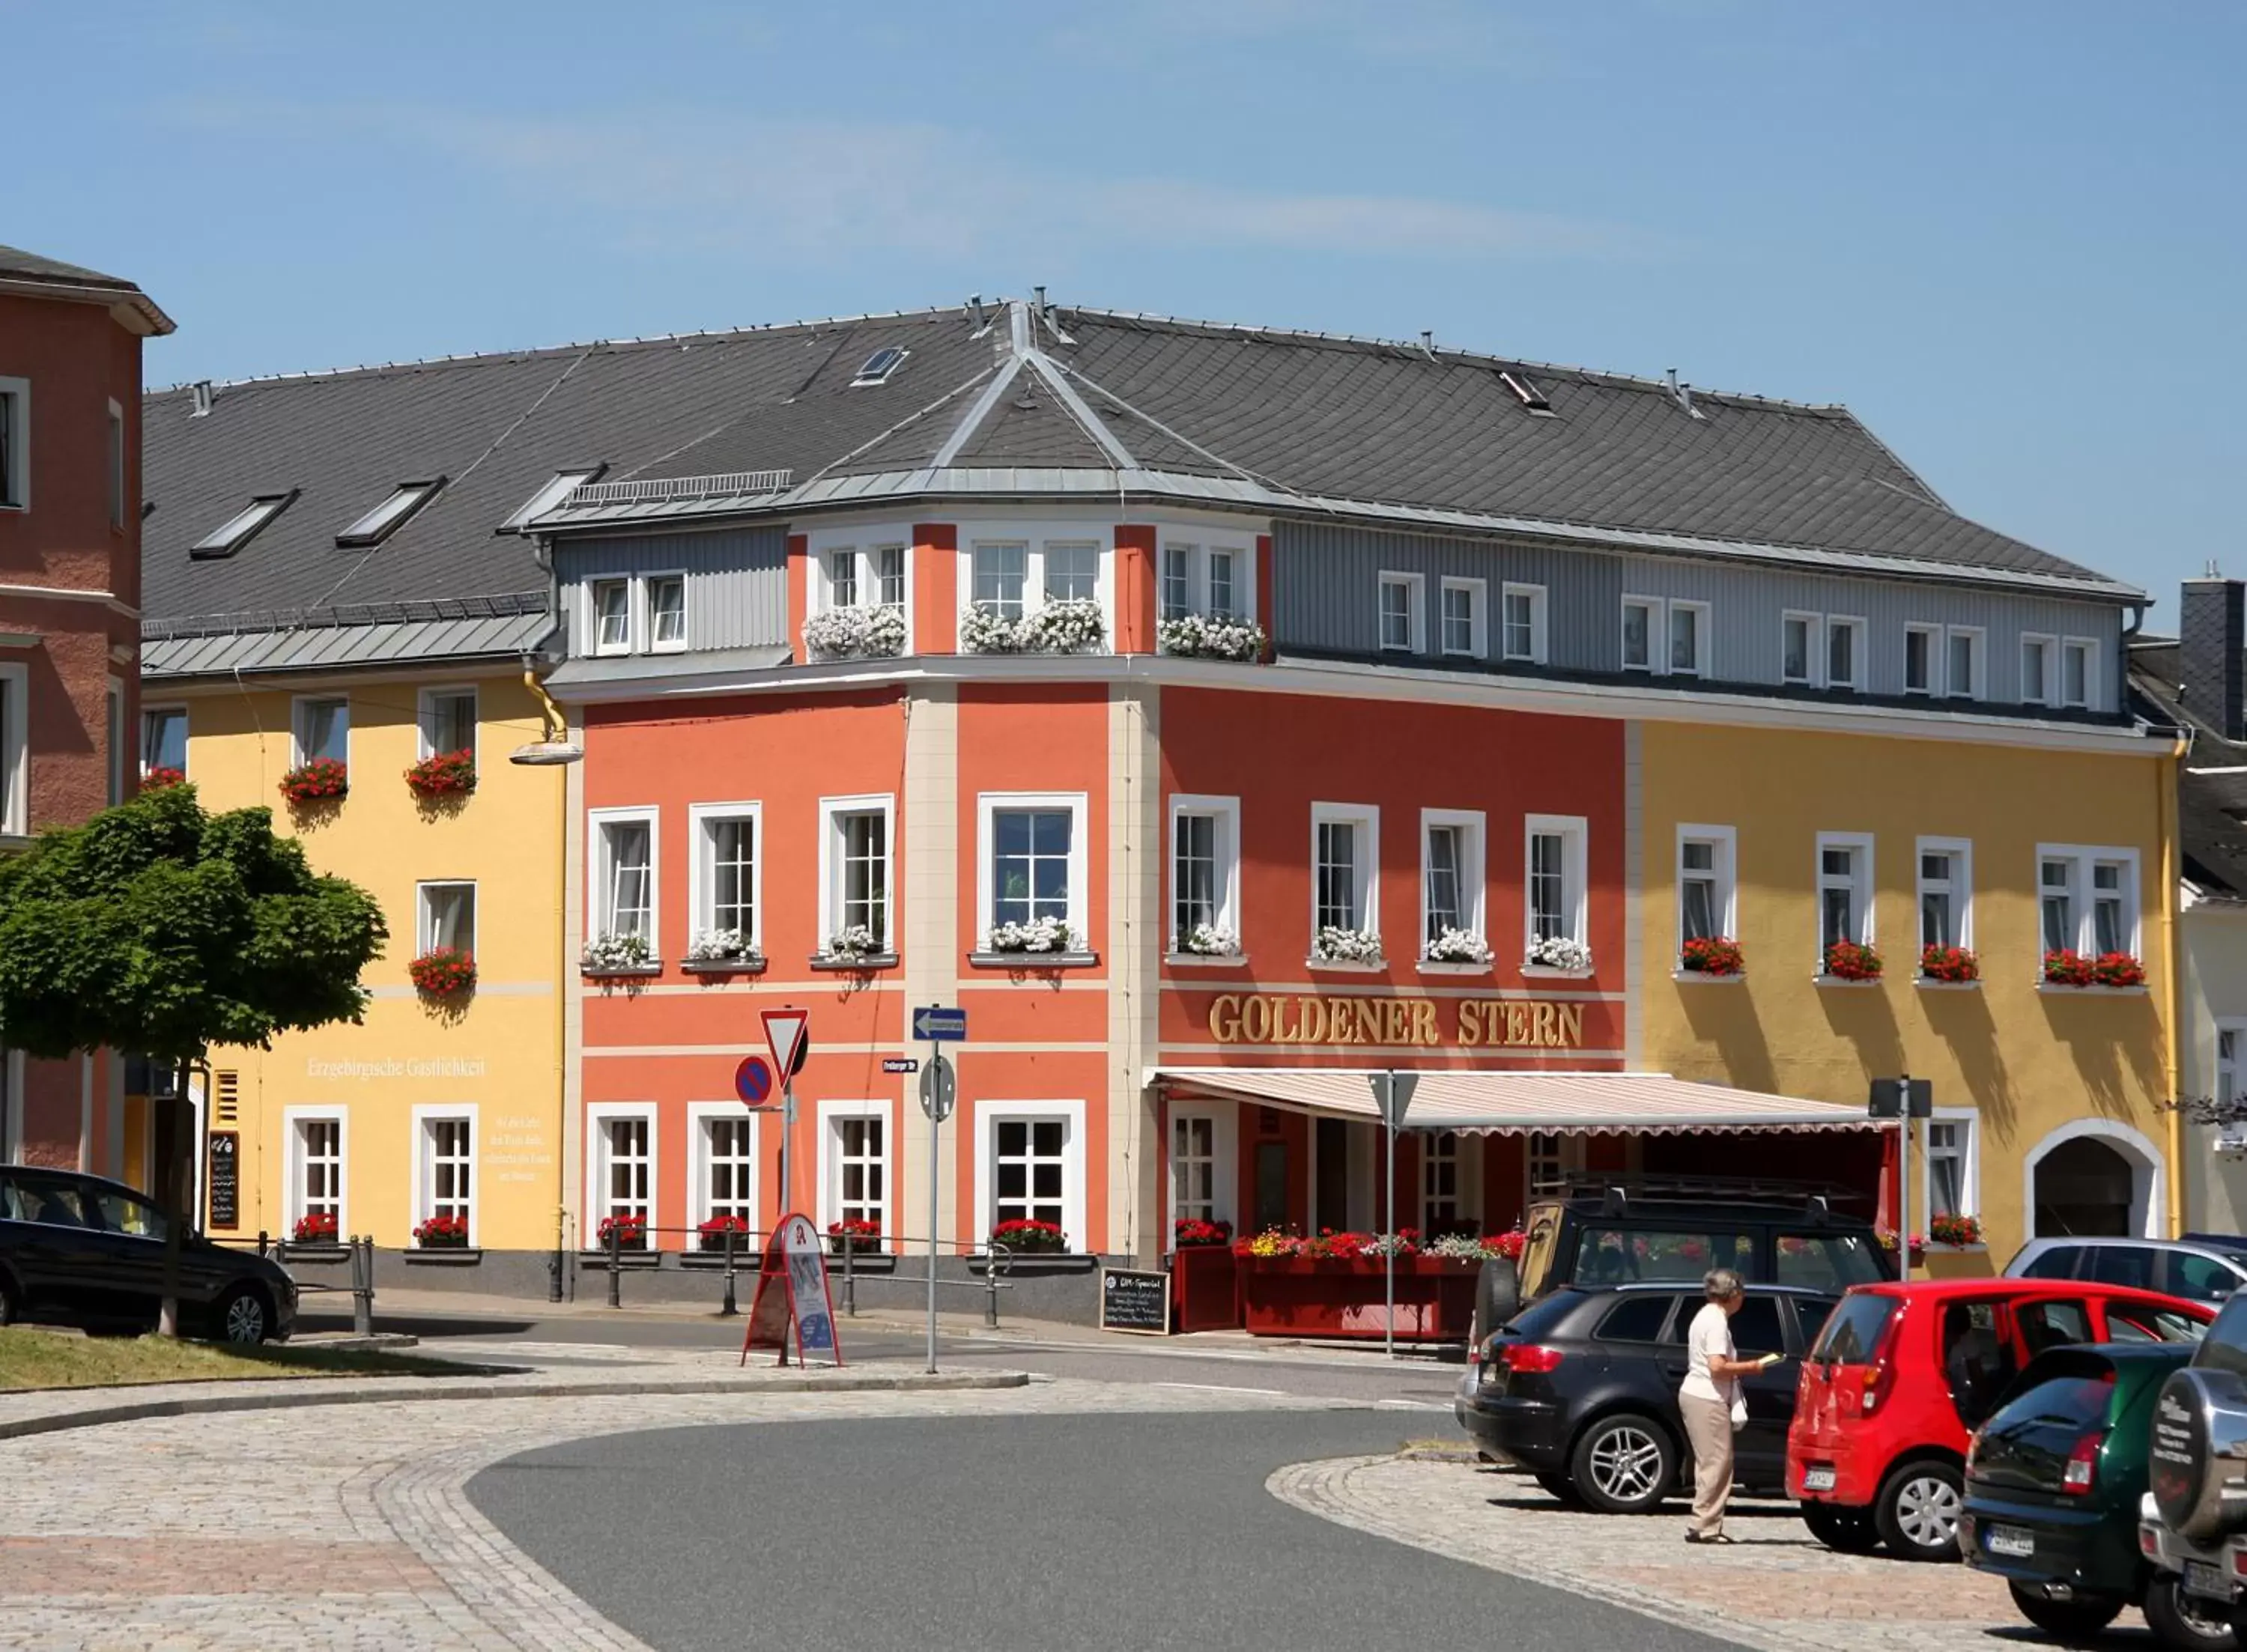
{"points": [[201, 403], [2212, 652]]}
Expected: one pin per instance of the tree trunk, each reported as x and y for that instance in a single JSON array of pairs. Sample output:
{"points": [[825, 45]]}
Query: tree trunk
{"points": [[174, 1141]]}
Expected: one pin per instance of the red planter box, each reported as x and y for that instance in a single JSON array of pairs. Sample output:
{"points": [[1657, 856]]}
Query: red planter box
{"points": [[1342, 1297], [1205, 1289]]}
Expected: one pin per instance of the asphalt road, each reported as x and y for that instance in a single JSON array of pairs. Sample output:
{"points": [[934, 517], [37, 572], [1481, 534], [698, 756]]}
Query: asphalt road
{"points": [[1010, 1534]]}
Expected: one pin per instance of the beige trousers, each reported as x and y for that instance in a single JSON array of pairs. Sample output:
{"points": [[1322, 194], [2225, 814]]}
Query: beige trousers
{"points": [[1709, 1427]]}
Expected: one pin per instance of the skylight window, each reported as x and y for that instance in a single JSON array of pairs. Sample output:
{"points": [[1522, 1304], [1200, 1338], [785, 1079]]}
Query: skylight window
{"points": [[384, 519], [240, 529], [1526, 390], [549, 494], [879, 366]]}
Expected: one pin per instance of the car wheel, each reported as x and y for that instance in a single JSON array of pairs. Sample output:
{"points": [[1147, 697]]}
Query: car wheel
{"points": [[2178, 1620], [1624, 1464], [1562, 1486], [1917, 1512], [2074, 1619], [242, 1317], [1846, 1530]]}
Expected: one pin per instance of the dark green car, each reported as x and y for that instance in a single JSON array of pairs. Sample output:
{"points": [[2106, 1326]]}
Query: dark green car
{"points": [[2053, 1484]]}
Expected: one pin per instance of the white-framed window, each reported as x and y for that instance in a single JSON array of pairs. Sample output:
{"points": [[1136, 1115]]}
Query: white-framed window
{"points": [[724, 878], [1448, 1185], [841, 564], [1950, 1176], [113, 741], [15, 444], [1462, 620], [609, 616], [445, 1164], [1072, 570], [1031, 1167], [1688, 639], [854, 867], [396, 508], [1665, 636], [1201, 1166], [1962, 662], [1946, 892], [2039, 668], [1642, 627], [1552, 1158], [1218, 580], [1204, 865], [1521, 623], [445, 915], [163, 738], [1345, 855], [447, 719], [861, 575], [1845, 652], [1226, 597], [1845, 889], [115, 468], [625, 871], [2227, 1060], [322, 729], [665, 595], [1000, 575], [1553, 879], [620, 1167], [2079, 674], [890, 576], [549, 494], [318, 1143], [1452, 876], [1706, 888], [1800, 636], [1178, 580], [628, 614], [2087, 899], [1033, 862], [854, 1163], [15, 750], [722, 1166], [1402, 613], [1923, 660]]}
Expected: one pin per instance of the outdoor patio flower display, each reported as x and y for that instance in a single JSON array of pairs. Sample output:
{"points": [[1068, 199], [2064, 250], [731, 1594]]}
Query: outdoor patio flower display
{"points": [[986, 631], [1336, 945], [1851, 961], [1210, 637], [627, 1230], [1027, 1238], [315, 1227], [616, 953], [1335, 1284], [1457, 947], [1476, 1247], [1190, 1231], [1070, 626], [443, 972], [161, 776], [1953, 964], [325, 780], [1204, 1276], [713, 1233], [1559, 951], [857, 1234], [721, 946], [2108, 969], [443, 1233], [1712, 955], [1887, 1236], [1955, 1230], [853, 944], [1039, 935], [855, 633], [1210, 940], [443, 774]]}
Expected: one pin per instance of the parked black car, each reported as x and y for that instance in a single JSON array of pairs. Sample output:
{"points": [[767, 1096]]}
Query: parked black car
{"points": [[84, 1251], [1582, 1389]]}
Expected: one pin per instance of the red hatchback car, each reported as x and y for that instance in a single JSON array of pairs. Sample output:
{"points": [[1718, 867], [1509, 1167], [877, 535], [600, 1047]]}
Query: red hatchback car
{"points": [[1902, 1374]]}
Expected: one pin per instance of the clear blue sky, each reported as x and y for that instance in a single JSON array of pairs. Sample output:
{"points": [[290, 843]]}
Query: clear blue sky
{"points": [[2009, 235]]}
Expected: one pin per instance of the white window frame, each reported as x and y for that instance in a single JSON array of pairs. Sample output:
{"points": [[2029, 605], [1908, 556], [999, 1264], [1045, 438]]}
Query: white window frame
{"points": [[1415, 587], [598, 1115], [15, 750], [2045, 691], [293, 1206], [2225, 1074], [1976, 639], [1366, 874], [1223, 1160], [1970, 1169], [700, 1116], [425, 717], [597, 883], [16, 490], [643, 610], [830, 863], [1854, 624], [832, 1115], [2082, 895], [163, 709], [1078, 807], [1467, 1159], [1574, 832], [1226, 812], [1937, 660], [1703, 643], [864, 542], [115, 465], [1197, 551], [1473, 829], [1960, 888], [1725, 841], [1478, 595], [1657, 633], [1536, 656], [422, 1190], [2093, 696], [702, 867], [1035, 537], [425, 930], [1861, 885], [595, 648], [1813, 648], [989, 1117], [298, 756]]}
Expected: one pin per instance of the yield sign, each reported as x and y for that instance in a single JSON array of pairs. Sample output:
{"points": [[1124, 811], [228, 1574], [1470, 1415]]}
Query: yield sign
{"points": [[785, 1031]]}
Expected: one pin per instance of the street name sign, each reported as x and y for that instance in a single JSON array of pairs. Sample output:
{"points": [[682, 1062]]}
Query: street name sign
{"points": [[900, 1064]]}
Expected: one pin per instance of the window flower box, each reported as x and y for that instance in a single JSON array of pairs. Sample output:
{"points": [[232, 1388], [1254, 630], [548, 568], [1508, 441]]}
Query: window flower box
{"points": [[853, 948], [1209, 940], [1022, 1238], [1204, 1277], [444, 973], [1955, 1230], [325, 780], [1888, 1238], [1457, 947], [2108, 969], [855, 633], [855, 1236], [616, 953], [1563, 953], [716, 952], [714, 1234], [1210, 637], [444, 774], [1039, 935], [317, 1227], [1712, 955], [628, 1233], [1071, 626], [443, 1256], [442, 1233], [1851, 961], [1950, 966], [1361, 947], [163, 775]]}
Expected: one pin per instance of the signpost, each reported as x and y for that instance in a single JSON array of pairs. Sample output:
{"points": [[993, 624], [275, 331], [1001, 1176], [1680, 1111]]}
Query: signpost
{"points": [[938, 1026], [1392, 1091], [792, 1291], [1135, 1301], [788, 1033]]}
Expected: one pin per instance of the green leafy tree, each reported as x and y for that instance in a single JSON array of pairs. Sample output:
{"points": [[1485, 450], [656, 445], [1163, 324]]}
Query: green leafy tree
{"points": [[158, 928]]}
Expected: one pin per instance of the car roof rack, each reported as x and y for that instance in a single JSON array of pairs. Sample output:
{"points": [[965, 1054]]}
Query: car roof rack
{"points": [[1617, 1194]]}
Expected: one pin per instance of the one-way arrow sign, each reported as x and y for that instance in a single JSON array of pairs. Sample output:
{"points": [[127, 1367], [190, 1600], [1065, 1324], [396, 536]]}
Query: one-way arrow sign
{"points": [[935, 1024]]}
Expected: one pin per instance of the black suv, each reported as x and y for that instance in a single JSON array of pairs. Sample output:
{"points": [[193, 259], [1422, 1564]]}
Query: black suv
{"points": [[1582, 1389], [84, 1251]]}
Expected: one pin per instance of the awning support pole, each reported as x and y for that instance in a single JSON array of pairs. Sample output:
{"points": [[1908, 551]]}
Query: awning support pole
{"points": [[1389, 1256]]}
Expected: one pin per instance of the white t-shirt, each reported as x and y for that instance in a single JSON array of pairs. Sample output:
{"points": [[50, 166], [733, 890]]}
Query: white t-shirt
{"points": [[1712, 1334]]}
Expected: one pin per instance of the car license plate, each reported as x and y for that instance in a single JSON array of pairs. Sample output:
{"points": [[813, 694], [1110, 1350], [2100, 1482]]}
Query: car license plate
{"points": [[2010, 1540], [2206, 1581], [1818, 1479]]}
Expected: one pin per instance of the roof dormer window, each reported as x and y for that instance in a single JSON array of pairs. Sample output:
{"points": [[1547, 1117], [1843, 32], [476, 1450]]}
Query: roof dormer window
{"points": [[240, 529], [877, 367], [386, 518], [550, 493], [1526, 390]]}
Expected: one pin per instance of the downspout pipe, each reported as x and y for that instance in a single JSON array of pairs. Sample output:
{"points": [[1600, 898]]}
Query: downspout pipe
{"points": [[2165, 806]]}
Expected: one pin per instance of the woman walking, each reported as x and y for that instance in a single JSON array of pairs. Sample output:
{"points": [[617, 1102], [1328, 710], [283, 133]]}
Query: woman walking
{"points": [[1710, 1400]]}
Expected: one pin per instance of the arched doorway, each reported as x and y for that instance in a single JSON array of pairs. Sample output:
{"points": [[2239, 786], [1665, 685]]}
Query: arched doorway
{"points": [[2086, 1188]]}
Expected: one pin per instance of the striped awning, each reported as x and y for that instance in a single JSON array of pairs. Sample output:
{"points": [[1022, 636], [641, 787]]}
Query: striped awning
{"points": [[1520, 1104]]}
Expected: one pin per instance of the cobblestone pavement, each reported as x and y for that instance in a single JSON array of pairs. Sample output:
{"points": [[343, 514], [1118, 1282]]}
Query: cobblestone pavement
{"points": [[1775, 1587], [347, 1526]]}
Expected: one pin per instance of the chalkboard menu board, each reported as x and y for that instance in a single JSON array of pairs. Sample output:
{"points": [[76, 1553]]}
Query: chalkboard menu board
{"points": [[1135, 1301], [223, 1185]]}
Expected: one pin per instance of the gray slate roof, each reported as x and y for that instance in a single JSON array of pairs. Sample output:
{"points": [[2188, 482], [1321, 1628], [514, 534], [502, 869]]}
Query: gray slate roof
{"points": [[20, 269], [2211, 808]]}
